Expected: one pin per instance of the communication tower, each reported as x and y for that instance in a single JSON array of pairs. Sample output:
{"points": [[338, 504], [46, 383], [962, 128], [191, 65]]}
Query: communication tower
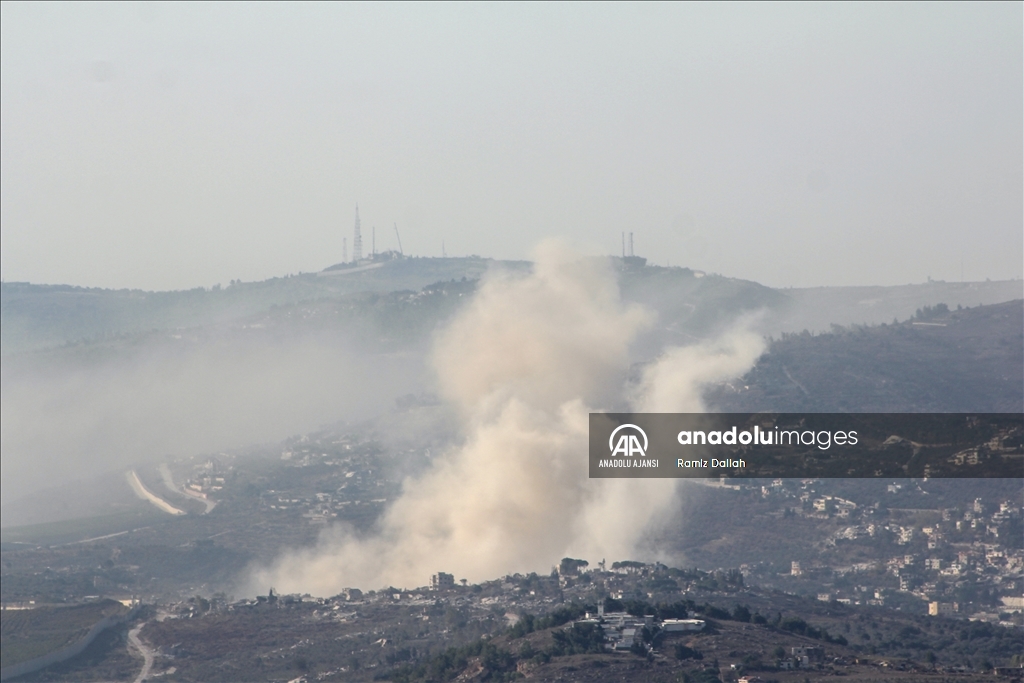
{"points": [[357, 240]]}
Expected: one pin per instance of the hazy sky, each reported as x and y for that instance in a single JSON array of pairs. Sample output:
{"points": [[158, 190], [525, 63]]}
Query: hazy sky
{"points": [[179, 145]]}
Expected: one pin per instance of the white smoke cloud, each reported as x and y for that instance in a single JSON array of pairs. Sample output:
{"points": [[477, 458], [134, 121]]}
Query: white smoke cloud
{"points": [[525, 362], [672, 383]]}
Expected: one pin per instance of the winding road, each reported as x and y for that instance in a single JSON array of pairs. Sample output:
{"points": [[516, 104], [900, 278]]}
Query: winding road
{"points": [[147, 654]]}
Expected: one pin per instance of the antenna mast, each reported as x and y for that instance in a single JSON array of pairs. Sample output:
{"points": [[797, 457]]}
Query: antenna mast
{"points": [[399, 240], [357, 240]]}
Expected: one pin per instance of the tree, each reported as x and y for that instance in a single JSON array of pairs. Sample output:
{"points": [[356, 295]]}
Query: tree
{"points": [[682, 652], [569, 566]]}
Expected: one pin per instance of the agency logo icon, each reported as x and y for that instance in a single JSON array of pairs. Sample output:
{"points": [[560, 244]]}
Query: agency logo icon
{"points": [[628, 443]]}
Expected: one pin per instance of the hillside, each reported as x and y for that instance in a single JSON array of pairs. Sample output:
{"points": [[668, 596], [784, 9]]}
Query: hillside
{"points": [[30, 633], [38, 316], [942, 360], [690, 304], [816, 309], [490, 631]]}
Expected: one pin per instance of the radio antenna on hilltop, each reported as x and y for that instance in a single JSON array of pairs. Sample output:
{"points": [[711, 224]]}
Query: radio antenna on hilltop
{"points": [[357, 240], [399, 240], [373, 240], [631, 245]]}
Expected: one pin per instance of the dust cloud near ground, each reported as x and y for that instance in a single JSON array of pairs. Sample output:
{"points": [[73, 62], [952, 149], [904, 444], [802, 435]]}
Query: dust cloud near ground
{"points": [[524, 363]]}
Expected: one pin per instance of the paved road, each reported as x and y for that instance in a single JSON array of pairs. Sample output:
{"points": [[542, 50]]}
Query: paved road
{"points": [[147, 654]]}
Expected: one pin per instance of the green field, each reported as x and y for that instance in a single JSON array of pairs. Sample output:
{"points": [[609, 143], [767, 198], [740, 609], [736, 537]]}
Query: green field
{"points": [[31, 633]]}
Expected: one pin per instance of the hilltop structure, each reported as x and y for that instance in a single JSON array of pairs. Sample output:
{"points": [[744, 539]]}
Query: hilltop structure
{"points": [[629, 258], [357, 240]]}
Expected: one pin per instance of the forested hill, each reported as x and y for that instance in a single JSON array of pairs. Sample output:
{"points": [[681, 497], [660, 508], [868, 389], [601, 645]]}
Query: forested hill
{"points": [[940, 360]]}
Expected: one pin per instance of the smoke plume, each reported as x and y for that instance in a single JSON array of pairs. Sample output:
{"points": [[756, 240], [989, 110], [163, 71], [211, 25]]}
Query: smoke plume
{"points": [[524, 362]]}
